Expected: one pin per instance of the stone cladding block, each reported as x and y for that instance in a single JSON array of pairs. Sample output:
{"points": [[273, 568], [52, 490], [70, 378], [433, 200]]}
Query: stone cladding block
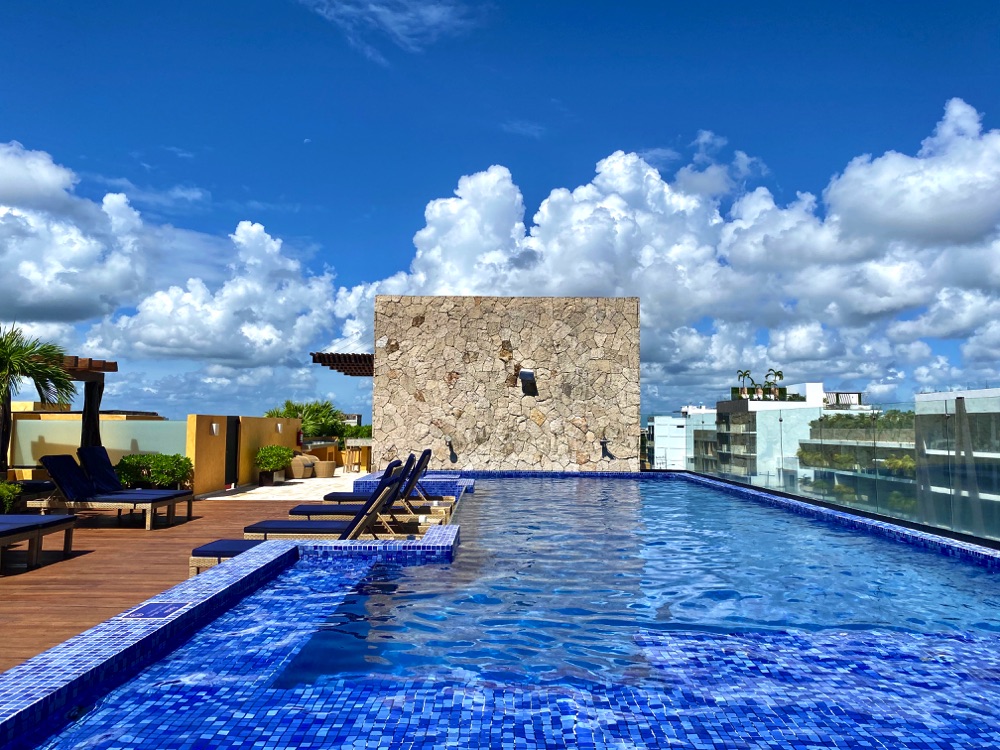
{"points": [[447, 377]]}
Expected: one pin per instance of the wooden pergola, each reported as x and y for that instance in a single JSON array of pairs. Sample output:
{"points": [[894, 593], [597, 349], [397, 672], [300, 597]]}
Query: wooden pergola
{"points": [[91, 373], [358, 365]]}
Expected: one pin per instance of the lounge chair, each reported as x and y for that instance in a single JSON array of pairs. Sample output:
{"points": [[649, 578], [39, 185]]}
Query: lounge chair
{"points": [[16, 528], [403, 511], [79, 493], [415, 495], [97, 464], [359, 525], [213, 553], [359, 497]]}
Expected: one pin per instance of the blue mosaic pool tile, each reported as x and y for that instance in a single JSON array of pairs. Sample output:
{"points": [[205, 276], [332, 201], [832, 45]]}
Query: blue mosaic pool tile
{"points": [[765, 690], [714, 691], [46, 690], [438, 545]]}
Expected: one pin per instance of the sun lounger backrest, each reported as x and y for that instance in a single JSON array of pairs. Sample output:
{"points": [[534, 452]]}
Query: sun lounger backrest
{"points": [[418, 471], [97, 463], [69, 477], [376, 502]]}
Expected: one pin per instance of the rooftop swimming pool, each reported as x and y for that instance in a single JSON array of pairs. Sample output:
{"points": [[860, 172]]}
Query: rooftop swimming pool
{"points": [[597, 613]]}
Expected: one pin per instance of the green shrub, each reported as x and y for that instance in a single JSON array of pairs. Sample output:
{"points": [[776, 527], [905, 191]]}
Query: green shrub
{"points": [[903, 503], [9, 492], [154, 470], [273, 457], [844, 493]]}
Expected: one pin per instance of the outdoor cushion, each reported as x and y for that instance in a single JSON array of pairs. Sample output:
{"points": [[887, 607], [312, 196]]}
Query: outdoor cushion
{"points": [[97, 463], [283, 526], [28, 522], [225, 548], [355, 496]]}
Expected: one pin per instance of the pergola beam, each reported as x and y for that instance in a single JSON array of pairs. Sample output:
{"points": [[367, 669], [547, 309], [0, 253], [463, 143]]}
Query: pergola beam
{"points": [[357, 365]]}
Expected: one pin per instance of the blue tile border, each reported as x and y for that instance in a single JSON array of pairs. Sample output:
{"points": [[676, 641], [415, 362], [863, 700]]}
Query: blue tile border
{"points": [[47, 691]]}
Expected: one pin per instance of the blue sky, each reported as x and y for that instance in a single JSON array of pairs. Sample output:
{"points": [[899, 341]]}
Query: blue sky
{"points": [[208, 191]]}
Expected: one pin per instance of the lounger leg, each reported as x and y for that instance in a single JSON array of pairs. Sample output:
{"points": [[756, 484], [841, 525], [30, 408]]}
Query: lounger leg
{"points": [[68, 542], [34, 550], [190, 507], [171, 514], [150, 515]]}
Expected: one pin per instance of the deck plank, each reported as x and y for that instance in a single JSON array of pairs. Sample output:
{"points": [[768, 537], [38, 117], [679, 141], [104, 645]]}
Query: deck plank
{"points": [[112, 567]]}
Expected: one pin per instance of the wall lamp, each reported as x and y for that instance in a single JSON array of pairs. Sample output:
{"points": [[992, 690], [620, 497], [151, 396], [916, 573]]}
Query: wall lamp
{"points": [[605, 453], [278, 427], [528, 385], [213, 429], [452, 456]]}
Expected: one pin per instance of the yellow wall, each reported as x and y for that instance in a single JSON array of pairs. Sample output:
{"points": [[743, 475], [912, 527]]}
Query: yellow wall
{"points": [[206, 450], [206, 447], [256, 432]]}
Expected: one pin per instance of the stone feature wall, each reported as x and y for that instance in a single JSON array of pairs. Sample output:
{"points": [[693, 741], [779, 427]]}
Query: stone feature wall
{"points": [[448, 368]]}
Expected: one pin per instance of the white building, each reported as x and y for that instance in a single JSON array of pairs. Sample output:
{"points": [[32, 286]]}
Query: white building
{"points": [[671, 440]]}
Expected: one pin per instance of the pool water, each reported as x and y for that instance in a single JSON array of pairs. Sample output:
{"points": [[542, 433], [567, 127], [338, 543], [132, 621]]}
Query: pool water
{"points": [[555, 578], [592, 613]]}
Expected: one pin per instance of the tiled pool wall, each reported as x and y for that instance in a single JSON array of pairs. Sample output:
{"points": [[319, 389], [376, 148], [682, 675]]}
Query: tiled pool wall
{"points": [[48, 691], [51, 689]]}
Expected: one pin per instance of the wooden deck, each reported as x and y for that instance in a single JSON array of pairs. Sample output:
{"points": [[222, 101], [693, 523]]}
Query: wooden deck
{"points": [[113, 567]]}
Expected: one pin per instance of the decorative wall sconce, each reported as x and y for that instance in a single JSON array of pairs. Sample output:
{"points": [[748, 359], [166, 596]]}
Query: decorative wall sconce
{"points": [[528, 385], [605, 453], [278, 427], [213, 429], [452, 456]]}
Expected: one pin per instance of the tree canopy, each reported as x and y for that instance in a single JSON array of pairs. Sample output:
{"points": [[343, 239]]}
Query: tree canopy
{"points": [[24, 359], [319, 418]]}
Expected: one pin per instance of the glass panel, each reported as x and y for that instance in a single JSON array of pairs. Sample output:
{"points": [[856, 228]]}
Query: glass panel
{"points": [[35, 438], [935, 461]]}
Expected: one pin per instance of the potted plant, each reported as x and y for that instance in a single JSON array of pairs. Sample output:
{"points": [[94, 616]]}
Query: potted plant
{"points": [[271, 461], [9, 494]]}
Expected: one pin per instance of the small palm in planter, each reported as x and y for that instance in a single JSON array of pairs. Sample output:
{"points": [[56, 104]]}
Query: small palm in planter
{"points": [[272, 460]]}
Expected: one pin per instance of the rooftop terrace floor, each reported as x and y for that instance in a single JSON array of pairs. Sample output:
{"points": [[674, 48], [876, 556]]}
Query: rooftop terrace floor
{"points": [[115, 566]]}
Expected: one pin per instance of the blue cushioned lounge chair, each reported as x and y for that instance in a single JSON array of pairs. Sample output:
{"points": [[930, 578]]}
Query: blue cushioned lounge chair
{"points": [[360, 497], [16, 528], [97, 464], [403, 511], [361, 524], [79, 493], [213, 553]]}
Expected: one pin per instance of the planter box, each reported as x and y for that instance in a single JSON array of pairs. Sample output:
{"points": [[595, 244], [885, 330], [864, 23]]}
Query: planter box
{"points": [[270, 478]]}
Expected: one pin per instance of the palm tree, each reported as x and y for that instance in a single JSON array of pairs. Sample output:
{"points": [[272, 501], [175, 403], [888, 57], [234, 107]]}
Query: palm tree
{"points": [[23, 359], [319, 418], [742, 376], [776, 375]]}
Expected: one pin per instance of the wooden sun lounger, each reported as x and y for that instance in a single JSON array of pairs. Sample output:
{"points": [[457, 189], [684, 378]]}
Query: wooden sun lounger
{"points": [[79, 493], [358, 526], [31, 529], [131, 503]]}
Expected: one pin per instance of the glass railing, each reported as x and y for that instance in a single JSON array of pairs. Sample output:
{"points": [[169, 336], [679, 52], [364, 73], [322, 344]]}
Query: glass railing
{"points": [[33, 439], [935, 461]]}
